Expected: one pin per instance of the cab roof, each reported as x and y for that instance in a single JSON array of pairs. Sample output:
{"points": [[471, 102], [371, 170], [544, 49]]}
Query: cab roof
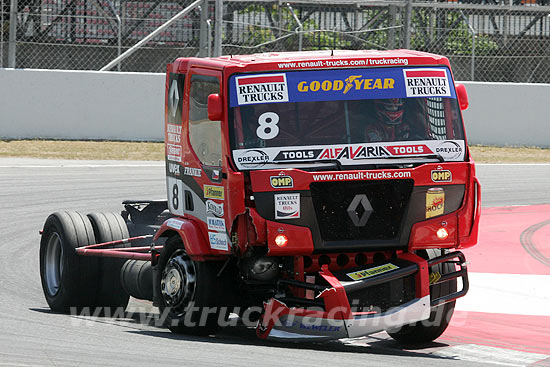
{"points": [[321, 59]]}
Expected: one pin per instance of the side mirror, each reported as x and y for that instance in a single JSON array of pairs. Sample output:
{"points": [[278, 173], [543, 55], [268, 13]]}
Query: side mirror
{"points": [[215, 108], [461, 95]]}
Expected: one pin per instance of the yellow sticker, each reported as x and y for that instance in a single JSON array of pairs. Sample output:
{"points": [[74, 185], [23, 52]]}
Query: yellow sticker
{"points": [[214, 192], [434, 277], [435, 202], [442, 176], [281, 181], [367, 273]]}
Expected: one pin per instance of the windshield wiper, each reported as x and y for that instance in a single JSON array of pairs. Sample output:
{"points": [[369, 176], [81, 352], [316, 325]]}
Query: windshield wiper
{"points": [[369, 161], [340, 166]]}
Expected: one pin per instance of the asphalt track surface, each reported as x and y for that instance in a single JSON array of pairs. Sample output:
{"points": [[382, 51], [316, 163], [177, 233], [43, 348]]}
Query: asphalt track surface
{"points": [[32, 335]]}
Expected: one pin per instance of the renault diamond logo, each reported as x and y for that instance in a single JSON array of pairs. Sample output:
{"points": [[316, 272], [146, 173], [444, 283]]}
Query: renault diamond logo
{"points": [[359, 217], [173, 98]]}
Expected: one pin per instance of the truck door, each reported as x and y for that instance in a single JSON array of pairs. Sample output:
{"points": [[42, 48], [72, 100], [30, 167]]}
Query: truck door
{"points": [[201, 193]]}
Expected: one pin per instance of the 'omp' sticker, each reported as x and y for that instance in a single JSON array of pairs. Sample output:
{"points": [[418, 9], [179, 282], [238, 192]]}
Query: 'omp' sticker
{"points": [[442, 176], [367, 273], [281, 181]]}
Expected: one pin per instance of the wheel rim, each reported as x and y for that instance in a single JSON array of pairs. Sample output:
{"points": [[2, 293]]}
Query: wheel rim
{"points": [[53, 264], [177, 284]]}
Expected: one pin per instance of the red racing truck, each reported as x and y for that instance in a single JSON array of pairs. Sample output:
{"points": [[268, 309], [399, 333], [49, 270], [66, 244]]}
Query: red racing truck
{"points": [[324, 194]]}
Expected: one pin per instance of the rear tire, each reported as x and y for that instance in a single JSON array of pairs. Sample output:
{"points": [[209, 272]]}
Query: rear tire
{"points": [[69, 281], [440, 316], [189, 292], [110, 227]]}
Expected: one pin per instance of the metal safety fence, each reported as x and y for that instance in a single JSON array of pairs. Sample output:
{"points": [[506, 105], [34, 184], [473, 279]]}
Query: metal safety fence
{"points": [[486, 40]]}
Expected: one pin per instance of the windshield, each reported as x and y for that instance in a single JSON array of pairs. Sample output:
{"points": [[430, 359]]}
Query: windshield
{"points": [[346, 115]]}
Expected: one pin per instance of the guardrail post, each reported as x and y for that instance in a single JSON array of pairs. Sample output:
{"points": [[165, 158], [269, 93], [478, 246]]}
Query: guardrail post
{"points": [[119, 29], [203, 33], [391, 32], [12, 36], [408, 21], [218, 29], [473, 56]]}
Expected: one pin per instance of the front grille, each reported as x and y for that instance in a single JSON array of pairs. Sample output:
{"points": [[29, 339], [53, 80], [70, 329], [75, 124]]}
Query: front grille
{"points": [[388, 198]]}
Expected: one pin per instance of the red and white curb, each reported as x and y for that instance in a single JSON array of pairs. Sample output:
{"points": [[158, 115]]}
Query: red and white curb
{"points": [[505, 317]]}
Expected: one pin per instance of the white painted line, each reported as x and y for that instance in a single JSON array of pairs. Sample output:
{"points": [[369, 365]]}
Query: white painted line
{"points": [[490, 355], [517, 294]]}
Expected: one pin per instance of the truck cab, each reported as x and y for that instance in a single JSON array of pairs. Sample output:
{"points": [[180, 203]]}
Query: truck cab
{"points": [[330, 185]]}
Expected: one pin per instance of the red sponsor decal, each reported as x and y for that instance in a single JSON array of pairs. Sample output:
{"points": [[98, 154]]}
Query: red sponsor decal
{"points": [[360, 152], [354, 154], [261, 79], [327, 154], [425, 73], [409, 149], [437, 201], [174, 152]]}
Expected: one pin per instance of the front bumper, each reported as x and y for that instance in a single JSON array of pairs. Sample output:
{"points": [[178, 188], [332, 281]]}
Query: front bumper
{"points": [[334, 318]]}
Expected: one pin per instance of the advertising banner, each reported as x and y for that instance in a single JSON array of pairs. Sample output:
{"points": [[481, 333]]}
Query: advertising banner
{"points": [[341, 84]]}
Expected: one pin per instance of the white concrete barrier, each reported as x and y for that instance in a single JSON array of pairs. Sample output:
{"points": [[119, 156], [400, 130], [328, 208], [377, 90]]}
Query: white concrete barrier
{"points": [[81, 105], [130, 106], [508, 114]]}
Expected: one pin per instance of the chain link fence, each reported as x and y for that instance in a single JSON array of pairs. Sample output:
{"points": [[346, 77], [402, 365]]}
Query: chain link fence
{"points": [[506, 43], [4, 31], [86, 35], [486, 40]]}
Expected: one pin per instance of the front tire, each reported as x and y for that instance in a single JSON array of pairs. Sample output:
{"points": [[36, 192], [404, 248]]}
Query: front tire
{"points": [[440, 316], [188, 291]]}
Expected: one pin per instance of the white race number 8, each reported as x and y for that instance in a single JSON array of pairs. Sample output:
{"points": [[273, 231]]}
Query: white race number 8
{"points": [[268, 128]]}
